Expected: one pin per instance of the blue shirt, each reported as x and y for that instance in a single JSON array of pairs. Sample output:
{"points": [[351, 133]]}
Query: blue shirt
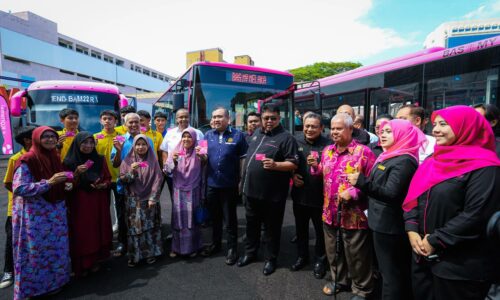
{"points": [[127, 146], [224, 153]]}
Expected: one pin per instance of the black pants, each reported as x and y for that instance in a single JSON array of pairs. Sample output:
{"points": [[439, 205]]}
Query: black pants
{"points": [[394, 258], [421, 278], [445, 289], [8, 266], [222, 205], [121, 216], [270, 213], [302, 215]]}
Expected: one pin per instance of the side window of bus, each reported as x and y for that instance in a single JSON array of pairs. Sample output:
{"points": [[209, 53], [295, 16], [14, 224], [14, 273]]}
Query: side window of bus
{"points": [[331, 103]]}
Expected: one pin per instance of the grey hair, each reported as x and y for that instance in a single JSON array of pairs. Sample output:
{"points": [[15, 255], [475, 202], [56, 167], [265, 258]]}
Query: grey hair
{"points": [[226, 112], [345, 118], [312, 115], [181, 110], [130, 115]]}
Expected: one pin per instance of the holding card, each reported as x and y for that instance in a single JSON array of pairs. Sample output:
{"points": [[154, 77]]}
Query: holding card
{"points": [[120, 138], [70, 133], [204, 147], [260, 156], [89, 163], [99, 136], [315, 154], [69, 175], [143, 164]]}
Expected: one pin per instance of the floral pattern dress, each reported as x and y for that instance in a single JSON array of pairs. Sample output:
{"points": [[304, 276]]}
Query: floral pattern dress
{"points": [[40, 238]]}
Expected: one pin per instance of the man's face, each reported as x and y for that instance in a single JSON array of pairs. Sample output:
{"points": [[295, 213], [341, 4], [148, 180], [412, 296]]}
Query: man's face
{"points": [[405, 114], [253, 122], [312, 129], [144, 122], [160, 123], [108, 122], [182, 118], [270, 120], [133, 126], [221, 121], [70, 122], [340, 133]]}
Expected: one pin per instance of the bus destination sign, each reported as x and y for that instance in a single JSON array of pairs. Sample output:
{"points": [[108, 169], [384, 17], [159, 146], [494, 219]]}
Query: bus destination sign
{"points": [[74, 98], [241, 77]]}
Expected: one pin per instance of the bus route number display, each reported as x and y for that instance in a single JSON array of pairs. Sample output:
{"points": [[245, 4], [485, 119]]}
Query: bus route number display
{"points": [[248, 78], [74, 98]]}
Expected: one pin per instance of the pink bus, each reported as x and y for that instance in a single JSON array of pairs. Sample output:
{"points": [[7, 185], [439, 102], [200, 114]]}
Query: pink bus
{"points": [[434, 79], [41, 102], [206, 85]]}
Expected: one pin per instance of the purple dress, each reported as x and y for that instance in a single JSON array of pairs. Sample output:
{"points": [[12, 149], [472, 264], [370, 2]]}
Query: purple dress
{"points": [[40, 238], [186, 234]]}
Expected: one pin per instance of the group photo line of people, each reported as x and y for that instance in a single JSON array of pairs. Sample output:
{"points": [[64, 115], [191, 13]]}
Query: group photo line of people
{"points": [[397, 207]]}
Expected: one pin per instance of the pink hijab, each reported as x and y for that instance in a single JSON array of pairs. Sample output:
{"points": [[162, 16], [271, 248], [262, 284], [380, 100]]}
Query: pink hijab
{"points": [[187, 174], [407, 140], [473, 149]]}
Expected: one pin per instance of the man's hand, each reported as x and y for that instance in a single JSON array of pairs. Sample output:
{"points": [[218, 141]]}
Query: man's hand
{"points": [[297, 180]]}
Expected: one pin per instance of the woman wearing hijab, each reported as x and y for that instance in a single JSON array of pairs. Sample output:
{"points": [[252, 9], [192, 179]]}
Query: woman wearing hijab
{"points": [[89, 216], [450, 199], [186, 166], [386, 188], [142, 178], [40, 230]]}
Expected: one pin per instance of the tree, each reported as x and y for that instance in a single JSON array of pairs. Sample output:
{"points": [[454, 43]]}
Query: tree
{"points": [[322, 69]]}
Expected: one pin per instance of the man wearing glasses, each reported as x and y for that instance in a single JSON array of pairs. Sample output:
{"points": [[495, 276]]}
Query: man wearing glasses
{"points": [[271, 158]]}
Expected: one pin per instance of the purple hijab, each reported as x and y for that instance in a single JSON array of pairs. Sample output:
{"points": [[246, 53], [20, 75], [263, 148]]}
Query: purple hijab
{"points": [[187, 173]]}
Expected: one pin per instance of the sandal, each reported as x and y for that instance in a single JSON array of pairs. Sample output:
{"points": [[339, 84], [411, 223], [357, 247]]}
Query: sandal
{"points": [[330, 289], [150, 260], [131, 263]]}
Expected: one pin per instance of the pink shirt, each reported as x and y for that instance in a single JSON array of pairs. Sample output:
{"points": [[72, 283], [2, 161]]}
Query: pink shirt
{"points": [[335, 166]]}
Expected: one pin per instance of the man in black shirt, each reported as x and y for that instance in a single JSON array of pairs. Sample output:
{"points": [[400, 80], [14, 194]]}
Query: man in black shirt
{"points": [[271, 158], [307, 195]]}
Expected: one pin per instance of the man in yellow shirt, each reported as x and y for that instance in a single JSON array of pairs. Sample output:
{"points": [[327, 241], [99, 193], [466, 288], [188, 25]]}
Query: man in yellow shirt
{"points": [[155, 136], [104, 146], [70, 120], [23, 137], [122, 129]]}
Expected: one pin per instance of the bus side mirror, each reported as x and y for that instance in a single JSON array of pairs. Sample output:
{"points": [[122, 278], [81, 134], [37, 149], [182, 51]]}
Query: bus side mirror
{"points": [[15, 103], [178, 100], [123, 101]]}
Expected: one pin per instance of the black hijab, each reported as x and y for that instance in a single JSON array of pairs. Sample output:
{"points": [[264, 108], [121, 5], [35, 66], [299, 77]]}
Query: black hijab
{"points": [[75, 157]]}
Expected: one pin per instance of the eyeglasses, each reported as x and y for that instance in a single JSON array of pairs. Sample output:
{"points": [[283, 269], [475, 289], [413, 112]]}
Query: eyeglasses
{"points": [[271, 118], [49, 136]]}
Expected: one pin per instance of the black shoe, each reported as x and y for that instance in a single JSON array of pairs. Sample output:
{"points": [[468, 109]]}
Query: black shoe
{"points": [[319, 270], [269, 267], [210, 250], [245, 260], [231, 257], [294, 239], [299, 264]]}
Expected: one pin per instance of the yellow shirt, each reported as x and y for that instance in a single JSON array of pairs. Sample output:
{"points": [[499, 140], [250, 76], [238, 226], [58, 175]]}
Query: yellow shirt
{"points": [[104, 147], [121, 129], [9, 176], [156, 137], [67, 143]]}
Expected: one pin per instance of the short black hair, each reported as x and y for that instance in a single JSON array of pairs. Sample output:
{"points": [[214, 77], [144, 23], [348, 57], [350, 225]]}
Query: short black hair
{"points": [[160, 114], [23, 133], [67, 112], [127, 109], [253, 114], [416, 111], [109, 112], [491, 112], [385, 116], [144, 114], [270, 108]]}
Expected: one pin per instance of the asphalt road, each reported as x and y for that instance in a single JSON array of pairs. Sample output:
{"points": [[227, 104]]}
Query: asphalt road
{"points": [[198, 278]]}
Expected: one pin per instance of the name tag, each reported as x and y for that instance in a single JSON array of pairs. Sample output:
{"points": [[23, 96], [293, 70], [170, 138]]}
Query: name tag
{"points": [[380, 167]]}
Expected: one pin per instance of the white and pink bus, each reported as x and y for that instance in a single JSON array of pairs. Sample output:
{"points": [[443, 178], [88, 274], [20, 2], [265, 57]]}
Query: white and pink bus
{"points": [[433, 78], [41, 102]]}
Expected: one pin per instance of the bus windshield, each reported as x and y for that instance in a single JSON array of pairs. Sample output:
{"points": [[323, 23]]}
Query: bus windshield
{"points": [[236, 90], [44, 105]]}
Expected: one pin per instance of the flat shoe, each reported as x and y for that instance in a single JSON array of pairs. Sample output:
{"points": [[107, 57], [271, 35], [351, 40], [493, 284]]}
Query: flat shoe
{"points": [[173, 255], [150, 260], [131, 264]]}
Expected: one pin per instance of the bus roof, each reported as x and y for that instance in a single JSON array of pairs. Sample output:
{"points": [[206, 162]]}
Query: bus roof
{"points": [[407, 61], [240, 67], [74, 85]]}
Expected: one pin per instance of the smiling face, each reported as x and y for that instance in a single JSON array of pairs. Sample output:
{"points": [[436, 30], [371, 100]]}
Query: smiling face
{"points": [[312, 129], [187, 140], [442, 132], [48, 140], [386, 137], [141, 147], [221, 119], [87, 145], [340, 133], [182, 118], [133, 125]]}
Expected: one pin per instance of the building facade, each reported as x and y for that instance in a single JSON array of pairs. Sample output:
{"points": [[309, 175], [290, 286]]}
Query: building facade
{"points": [[452, 34], [32, 49], [215, 55]]}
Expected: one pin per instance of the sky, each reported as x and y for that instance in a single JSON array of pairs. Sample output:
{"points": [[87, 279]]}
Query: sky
{"points": [[277, 34]]}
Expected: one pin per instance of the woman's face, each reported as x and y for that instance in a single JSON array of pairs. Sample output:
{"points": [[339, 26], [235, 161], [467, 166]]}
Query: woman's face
{"points": [[386, 137], [187, 140], [48, 140], [88, 145], [141, 147], [442, 132]]}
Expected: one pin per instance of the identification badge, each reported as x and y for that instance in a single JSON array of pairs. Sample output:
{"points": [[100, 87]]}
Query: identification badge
{"points": [[380, 167]]}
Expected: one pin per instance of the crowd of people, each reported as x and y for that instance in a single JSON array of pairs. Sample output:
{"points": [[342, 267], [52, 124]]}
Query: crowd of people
{"points": [[397, 205]]}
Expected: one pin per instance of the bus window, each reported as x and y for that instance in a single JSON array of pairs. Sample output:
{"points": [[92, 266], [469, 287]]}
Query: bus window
{"points": [[332, 103], [465, 89]]}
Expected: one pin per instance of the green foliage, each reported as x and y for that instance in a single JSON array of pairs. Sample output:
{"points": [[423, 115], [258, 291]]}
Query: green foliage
{"points": [[322, 69]]}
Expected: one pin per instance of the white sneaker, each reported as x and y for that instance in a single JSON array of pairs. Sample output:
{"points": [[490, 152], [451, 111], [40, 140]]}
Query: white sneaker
{"points": [[7, 280], [115, 228]]}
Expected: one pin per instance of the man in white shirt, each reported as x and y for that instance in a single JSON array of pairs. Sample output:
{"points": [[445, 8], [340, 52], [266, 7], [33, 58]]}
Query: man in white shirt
{"points": [[173, 137], [416, 115]]}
